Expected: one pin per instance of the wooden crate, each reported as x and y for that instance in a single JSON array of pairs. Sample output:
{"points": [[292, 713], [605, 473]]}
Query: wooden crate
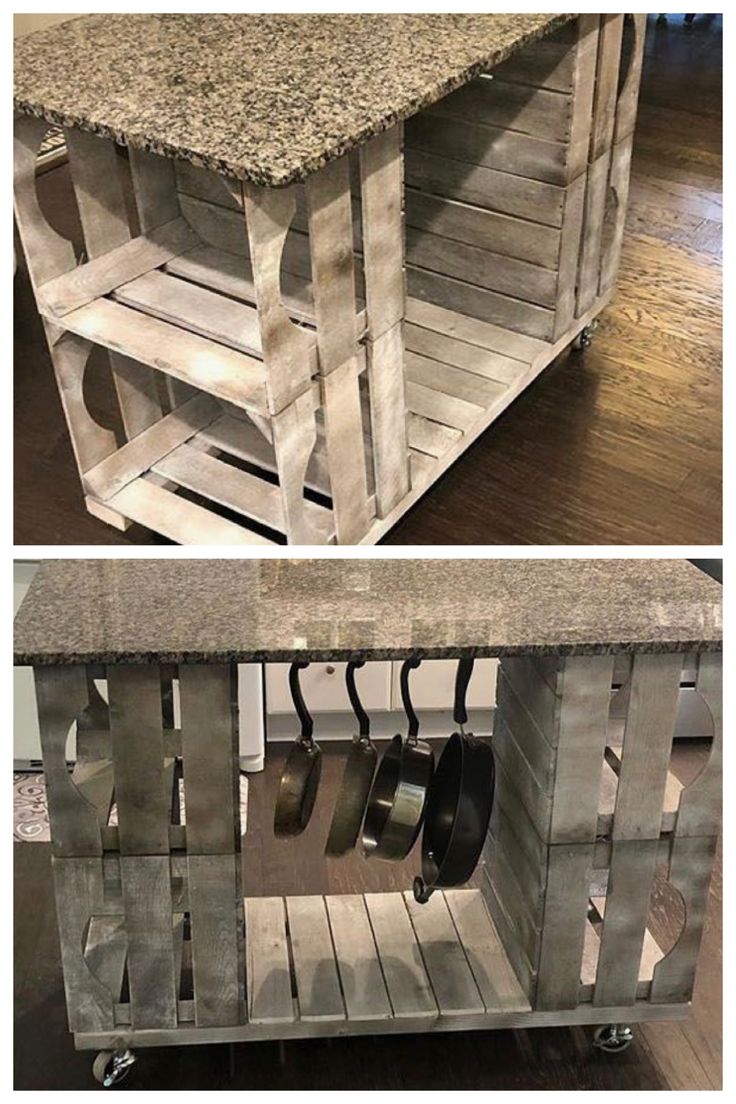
{"points": [[584, 819], [277, 381]]}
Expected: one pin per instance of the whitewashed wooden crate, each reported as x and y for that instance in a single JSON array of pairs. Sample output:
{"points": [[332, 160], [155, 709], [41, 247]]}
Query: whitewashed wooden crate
{"points": [[302, 363]]}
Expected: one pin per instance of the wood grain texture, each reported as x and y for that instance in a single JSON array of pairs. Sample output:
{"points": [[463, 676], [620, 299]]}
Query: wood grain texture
{"points": [[214, 894]]}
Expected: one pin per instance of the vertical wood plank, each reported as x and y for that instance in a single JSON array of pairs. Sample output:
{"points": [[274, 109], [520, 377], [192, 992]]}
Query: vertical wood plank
{"points": [[78, 888], [210, 757], [606, 84], [691, 863], [572, 228], [452, 981], [152, 980], [401, 959], [629, 97], [213, 902], [563, 930], [699, 813], [630, 879], [590, 252], [268, 978], [382, 198], [487, 959], [387, 392], [361, 978], [136, 725], [586, 51], [317, 984], [645, 758], [47, 253], [345, 452], [583, 719], [614, 218], [61, 695], [294, 438], [106, 950]]}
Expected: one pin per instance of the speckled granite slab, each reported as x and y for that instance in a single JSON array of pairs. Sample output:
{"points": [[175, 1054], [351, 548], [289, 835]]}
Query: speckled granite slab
{"points": [[107, 611], [268, 98]]}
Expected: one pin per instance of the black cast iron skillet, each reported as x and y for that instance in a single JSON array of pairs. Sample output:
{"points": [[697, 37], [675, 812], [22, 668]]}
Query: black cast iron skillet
{"points": [[398, 795], [459, 804], [300, 777], [357, 776]]}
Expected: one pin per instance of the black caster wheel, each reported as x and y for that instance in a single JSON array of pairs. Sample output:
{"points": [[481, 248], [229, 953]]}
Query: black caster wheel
{"points": [[613, 1038], [585, 338], [111, 1066]]}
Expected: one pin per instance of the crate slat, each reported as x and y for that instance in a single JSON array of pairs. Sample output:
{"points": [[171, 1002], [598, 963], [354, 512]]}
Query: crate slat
{"points": [[216, 960], [152, 977], [493, 975], [268, 977], [361, 978], [453, 983], [401, 959], [317, 984]]}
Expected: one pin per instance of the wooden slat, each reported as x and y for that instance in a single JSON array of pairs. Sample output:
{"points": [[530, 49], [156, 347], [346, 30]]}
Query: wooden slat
{"points": [[453, 984], [493, 975], [96, 175], [511, 106], [488, 306], [536, 802], [210, 758], [267, 977], [631, 873], [317, 984], [546, 63], [586, 694], [537, 752], [488, 188], [497, 233], [565, 920], [474, 331], [593, 216], [95, 781], [493, 147], [361, 978], [152, 979], [213, 901], [204, 364], [431, 437], [628, 98], [137, 456], [61, 694], [471, 358], [452, 381], [97, 277], [585, 59], [138, 754], [179, 520], [606, 84], [651, 952], [617, 200], [699, 811], [78, 887], [569, 254], [382, 196], [343, 427], [445, 409], [48, 254], [645, 757], [401, 959], [387, 391], [105, 951], [525, 912]]}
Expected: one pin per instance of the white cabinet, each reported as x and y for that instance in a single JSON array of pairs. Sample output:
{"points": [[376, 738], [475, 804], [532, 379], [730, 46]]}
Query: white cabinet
{"points": [[323, 686], [433, 684]]}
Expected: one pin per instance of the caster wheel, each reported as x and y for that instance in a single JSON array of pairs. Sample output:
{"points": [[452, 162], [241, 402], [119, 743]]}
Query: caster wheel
{"points": [[585, 338], [613, 1038], [111, 1066]]}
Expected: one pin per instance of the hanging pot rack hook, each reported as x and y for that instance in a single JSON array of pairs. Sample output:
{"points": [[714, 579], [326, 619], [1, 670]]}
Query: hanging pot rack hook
{"points": [[364, 723], [407, 666], [462, 678], [300, 706]]}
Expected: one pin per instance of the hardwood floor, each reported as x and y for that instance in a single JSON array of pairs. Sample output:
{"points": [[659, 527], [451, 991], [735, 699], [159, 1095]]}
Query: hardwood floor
{"points": [[684, 1055], [617, 445]]}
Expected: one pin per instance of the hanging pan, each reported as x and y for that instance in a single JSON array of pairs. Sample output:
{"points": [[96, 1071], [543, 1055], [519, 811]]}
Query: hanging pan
{"points": [[459, 804], [396, 803], [357, 776], [300, 778]]}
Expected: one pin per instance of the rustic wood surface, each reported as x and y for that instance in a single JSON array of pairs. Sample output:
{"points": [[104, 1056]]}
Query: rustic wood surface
{"points": [[665, 1055]]}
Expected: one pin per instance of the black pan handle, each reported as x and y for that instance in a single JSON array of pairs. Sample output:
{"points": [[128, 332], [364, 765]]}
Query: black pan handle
{"points": [[364, 724], [407, 666], [305, 717], [462, 678], [422, 891]]}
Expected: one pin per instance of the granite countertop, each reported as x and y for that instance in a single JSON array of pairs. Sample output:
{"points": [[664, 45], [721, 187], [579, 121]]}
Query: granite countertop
{"points": [[266, 98], [179, 610]]}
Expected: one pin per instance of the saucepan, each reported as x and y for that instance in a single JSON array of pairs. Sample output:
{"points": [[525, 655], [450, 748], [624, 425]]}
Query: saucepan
{"points": [[398, 795], [459, 804], [301, 774], [357, 777]]}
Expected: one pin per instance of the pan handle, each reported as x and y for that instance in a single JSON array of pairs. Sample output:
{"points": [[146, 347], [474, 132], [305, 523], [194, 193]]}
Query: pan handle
{"points": [[364, 724], [305, 717], [422, 891], [407, 666], [462, 678]]}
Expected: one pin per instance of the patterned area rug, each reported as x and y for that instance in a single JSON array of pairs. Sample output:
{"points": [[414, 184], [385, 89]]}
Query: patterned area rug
{"points": [[31, 815]]}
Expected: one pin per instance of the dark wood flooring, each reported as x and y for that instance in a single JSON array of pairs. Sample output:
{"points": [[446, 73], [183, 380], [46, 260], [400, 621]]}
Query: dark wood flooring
{"points": [[619, 445], [684, 1056]]}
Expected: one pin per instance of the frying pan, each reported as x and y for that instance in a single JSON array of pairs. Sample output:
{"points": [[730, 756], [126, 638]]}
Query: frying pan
{"points": [[459, 804], [356, 779], [300, 777], [398, 795]]}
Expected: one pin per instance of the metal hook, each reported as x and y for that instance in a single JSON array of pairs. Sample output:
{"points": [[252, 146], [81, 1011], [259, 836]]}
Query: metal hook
{"points": [[462, 678], [305, 717], [364, 724], [407, 666]]}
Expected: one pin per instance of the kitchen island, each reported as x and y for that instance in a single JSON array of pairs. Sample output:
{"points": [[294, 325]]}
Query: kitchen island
{"points": [[356, 240], [158, 945]]}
